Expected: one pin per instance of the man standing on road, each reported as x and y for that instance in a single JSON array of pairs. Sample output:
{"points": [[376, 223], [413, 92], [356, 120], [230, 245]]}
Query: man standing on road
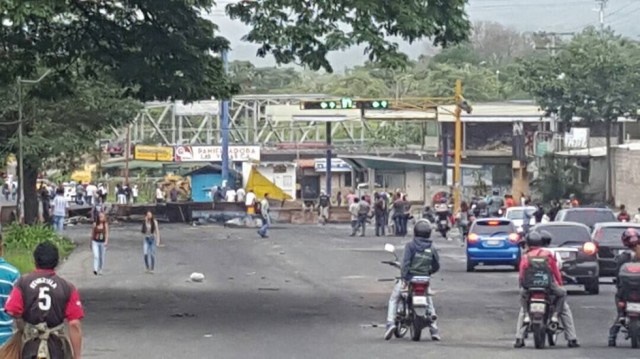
{"points": [[380, 212], [41, 302], [240, 194], [60, 206], [323, 207], [266, 218], [159, 195], [8, 277]]}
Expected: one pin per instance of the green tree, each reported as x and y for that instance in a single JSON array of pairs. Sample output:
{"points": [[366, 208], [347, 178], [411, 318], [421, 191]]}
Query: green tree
{"points": [[306, 32], [594, 78], [104, 55]]}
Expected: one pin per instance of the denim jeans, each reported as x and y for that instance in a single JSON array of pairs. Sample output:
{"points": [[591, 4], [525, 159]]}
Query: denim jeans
{"points": [[392, 307], [265, 225], [149, 250], [380, 224], [58, 223], [98, 255]]}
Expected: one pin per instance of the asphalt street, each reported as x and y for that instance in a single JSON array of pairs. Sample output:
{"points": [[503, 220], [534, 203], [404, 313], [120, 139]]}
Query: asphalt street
{"points": [[305, 292]]}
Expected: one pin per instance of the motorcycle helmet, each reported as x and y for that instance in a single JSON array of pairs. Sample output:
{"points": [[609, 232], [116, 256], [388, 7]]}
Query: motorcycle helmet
{"points": [[534, 239], [546, 238], [630, 238], [422, 228]]}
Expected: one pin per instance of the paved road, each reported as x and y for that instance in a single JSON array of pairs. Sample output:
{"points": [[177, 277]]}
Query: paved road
{"points": [[306, 292]]}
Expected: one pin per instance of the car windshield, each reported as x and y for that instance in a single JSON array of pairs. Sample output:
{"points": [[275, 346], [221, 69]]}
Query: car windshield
{"points": [[611, 235], [589, 217], [568, 233], [493, 227], [519, 213]]}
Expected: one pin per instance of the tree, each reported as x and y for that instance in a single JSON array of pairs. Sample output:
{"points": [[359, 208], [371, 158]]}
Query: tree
{"points": [[498, 45], [594, 78], [306, 32], [135, 50]]}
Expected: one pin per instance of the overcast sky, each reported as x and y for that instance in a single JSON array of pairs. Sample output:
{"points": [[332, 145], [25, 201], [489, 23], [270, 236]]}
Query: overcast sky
{"points": [[524, 15]]}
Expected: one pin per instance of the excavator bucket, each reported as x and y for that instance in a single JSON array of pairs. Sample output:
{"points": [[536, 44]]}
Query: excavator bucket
{"points": [[261, 185]]}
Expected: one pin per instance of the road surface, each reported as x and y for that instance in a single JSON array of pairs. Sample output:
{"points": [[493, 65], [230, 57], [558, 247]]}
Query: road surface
{"points": [[305, 292]]}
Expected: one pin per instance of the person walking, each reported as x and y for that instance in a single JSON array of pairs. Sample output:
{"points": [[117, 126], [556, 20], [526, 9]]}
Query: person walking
{"points": [[43, 301], [99, 242], [266, 218], [151, 234], [122, 194], [45, 198], [134, 193], [8, 276], [379, 210], [324, 201], [339, 198], [60, 206], [159, 195]]}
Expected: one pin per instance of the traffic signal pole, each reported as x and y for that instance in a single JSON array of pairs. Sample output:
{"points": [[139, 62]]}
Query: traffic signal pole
{"points": [[329, 154], [458, 147], [224, 125]]}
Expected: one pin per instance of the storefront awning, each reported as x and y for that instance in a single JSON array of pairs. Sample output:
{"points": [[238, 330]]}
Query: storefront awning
{"points": [[394, 163]]}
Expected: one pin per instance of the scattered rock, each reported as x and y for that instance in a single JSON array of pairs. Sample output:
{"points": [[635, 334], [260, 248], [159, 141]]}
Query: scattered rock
{"points": [[251, 273], [208, 335], [197, 277], [230, 278], [183, 315]]}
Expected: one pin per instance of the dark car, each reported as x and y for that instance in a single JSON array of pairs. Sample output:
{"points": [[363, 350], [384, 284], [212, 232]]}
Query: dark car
{"points": [[588, 216], [580, 265], [608, 236]]}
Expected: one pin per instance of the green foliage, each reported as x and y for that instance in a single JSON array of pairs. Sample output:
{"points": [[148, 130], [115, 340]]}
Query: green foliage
{"points": [[556, 180], [22, 237], [595, 78], [306, 32]]}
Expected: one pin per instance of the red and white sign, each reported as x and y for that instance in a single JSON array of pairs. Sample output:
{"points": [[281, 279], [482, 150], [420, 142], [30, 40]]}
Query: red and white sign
{"points": [[214, 153]]}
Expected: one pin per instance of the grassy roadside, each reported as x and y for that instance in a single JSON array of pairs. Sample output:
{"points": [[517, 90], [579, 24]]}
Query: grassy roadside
{"points": [[23, 259], [20, 241]]}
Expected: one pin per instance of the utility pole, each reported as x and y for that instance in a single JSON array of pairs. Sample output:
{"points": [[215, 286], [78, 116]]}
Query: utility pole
{"points": [[458, 147], [224, 124], [553, 37], [127, 153], [602, 4]]}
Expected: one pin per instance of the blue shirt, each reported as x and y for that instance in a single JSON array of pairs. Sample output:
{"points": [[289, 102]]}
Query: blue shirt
{"points": [[8, 277]]}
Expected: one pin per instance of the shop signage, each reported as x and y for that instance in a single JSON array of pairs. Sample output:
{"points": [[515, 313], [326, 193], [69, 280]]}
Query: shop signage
{"points": [[214, 153]]}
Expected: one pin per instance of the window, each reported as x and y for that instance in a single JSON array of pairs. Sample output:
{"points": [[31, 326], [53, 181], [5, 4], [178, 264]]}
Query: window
{"points": [[347, 180], [563, 234], [491, 228]]}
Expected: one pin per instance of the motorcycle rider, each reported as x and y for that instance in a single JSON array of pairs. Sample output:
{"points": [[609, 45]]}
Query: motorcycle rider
{"points": [[623, 216], [630, 239], [535, 243], [420, 258], [495, 203]]}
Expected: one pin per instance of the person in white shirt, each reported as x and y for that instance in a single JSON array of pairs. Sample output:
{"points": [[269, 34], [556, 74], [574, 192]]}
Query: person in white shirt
{"points": [[91, 194], [231, 195], [250, 199], [240, 195], [134, 193], [59, 206], [159, 195]]}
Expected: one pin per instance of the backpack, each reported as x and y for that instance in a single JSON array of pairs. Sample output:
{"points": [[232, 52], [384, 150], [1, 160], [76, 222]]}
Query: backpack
{"points": [[538, 273], [421, 263], [629, 281]]}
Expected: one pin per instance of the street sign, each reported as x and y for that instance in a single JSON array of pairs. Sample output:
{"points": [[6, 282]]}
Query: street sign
{"points": [[345, 103]]}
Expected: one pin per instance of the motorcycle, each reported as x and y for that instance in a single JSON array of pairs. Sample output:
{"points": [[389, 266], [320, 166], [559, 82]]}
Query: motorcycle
{"points": [[631, 322], [540, 309], [412, 314], [443, 213]]}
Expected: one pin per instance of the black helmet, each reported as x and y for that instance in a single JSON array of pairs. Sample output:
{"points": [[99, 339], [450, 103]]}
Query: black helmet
{"points": [[422, 228], [546, 238], [534, 239]]}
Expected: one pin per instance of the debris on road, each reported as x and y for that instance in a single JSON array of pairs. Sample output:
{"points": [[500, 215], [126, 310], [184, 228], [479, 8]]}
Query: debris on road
{"points": [[183, 315], [196, 277]]}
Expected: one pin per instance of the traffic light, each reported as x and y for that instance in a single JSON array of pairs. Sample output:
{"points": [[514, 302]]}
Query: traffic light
{"points": [[345, 103]]}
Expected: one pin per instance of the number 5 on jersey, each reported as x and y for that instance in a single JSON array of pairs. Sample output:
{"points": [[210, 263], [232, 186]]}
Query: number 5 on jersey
{"points": [[44, 299]]}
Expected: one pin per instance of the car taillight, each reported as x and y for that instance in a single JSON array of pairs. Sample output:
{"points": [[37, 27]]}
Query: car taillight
{"points": [[590, 248], [472, 238], [514, 237], [419, 288]]}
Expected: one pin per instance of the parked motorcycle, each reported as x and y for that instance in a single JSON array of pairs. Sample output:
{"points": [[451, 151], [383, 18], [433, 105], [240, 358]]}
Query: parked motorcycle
{"points": [[413, 309], [540, 307]]}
